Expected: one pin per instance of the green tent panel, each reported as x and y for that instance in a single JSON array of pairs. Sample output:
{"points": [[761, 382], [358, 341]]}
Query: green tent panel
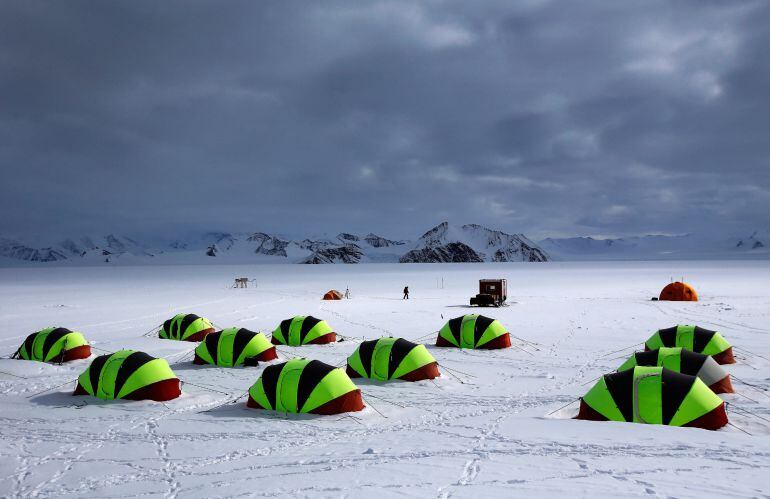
{"points": [[303, 330], [653, 395], [305, 386], [694, 338], [392, 358], [686, 362], [186, 327], [130, 375], [234, 347], [473, 331], [54, 344]]}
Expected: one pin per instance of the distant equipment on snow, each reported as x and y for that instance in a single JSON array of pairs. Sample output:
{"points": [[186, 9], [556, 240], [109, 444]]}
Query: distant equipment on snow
{"points": [[473, 331], [492, 293], [54, 344]]}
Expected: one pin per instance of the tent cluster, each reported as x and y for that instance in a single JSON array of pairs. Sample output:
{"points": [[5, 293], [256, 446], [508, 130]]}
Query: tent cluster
{"points": [[296, 386], [674, 381]]}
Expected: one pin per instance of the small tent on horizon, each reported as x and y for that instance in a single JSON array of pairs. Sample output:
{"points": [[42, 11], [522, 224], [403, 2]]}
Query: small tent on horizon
{"points": [[678, 291], [333, 294]]}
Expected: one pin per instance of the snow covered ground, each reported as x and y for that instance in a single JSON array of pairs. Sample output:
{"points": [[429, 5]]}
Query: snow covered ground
{"points": [[488, 435]]}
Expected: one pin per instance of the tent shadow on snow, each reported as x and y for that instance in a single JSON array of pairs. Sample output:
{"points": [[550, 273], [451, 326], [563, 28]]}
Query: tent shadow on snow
{"points": [[66, 399], [240, 410]]}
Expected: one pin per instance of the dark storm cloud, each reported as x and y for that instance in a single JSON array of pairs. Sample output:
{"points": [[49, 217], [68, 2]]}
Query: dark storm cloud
{"points": [[542, 117]]}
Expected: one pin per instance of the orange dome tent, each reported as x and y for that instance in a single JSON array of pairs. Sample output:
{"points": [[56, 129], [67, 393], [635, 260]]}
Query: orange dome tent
{"points": [[678, 291], [333, 294]]}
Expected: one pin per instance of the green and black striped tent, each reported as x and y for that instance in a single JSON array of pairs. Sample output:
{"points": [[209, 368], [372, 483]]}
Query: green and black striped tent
{"points": [[186, 327], [694, 338], [130, 375], [305, 386], [392, 358], [54, 344], [303, 330], [473, 331], [234, 347], [686, 362], [653, 395]]}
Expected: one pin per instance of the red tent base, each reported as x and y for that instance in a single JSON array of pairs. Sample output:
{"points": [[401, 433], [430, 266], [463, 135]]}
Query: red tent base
{"points": [[267, 355], [724, 385], [81, 352], [428, 371], [321, 340], [349, 402], [502, 341], [712, 420], [168, 389], [199, 336], [725, 357]]}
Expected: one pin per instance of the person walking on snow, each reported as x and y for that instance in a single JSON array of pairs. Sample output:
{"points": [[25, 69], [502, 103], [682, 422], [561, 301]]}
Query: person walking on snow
{"points": [[406, 292]]}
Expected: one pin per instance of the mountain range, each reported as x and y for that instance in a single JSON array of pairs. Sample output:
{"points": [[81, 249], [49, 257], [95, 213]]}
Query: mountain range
{"points": [[441, 244], [444, 243]]}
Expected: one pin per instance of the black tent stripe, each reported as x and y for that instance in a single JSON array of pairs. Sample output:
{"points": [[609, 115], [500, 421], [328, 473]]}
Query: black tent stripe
{"points": [[167, 328], [482, 323], [242, 338], [128, 367], [366, 351], [95, 371], [701, 338], [52, 338], [648, 358], [212, 345], [676, 386], [454, 327], [691, 362], [270, 382], [285, 327], [398, 353], [312, 374], [185, 323], [307, 325], [620, 385], [668, 336], [28, 343]]}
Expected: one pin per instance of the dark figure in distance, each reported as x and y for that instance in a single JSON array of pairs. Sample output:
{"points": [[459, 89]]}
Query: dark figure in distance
{"points": [[406, 292]]}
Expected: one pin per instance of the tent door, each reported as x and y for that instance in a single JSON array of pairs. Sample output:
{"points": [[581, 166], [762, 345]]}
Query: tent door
{"points": [[288, 383], [648, 398]]}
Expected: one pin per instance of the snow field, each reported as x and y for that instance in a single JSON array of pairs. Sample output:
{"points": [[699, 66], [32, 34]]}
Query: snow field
{"points": [[488, 433]]}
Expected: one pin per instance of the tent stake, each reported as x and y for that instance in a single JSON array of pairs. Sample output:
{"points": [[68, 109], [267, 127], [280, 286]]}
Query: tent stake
{"points": [[562, 407]]}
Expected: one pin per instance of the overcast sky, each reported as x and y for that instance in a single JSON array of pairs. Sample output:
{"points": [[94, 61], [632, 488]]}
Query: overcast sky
{"points": [[548, 118]]}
